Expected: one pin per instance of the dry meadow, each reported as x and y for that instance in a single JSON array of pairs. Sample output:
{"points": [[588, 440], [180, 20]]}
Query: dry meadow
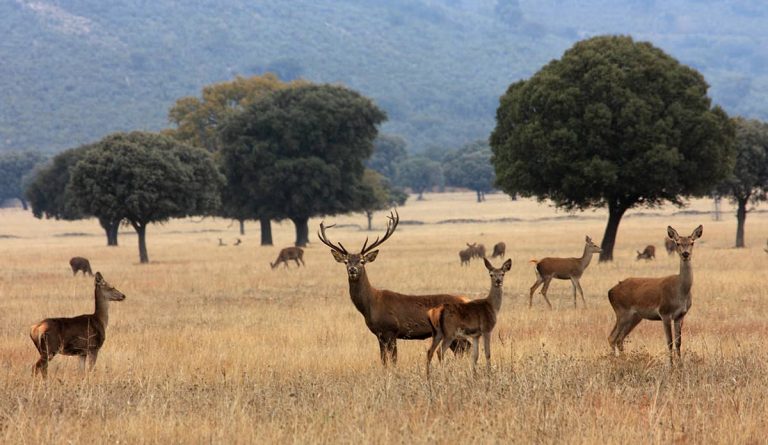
{"points": [[211, 346]]}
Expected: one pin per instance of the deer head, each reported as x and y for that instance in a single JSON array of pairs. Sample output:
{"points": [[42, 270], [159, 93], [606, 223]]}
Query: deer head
{"points": [[355, 262], [497, 275], [684, 244], [592, 247], [107, 290]]}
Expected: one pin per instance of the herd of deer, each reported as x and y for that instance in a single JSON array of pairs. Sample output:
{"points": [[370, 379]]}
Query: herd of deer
{"points": [[451, 320]]}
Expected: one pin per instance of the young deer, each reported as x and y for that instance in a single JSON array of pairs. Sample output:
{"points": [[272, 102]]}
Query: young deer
{"points": [[563, 269], [82, 335], [289, 253], [468, 320], [389, 315], [79, 263], [648, 253], [667, 299]]}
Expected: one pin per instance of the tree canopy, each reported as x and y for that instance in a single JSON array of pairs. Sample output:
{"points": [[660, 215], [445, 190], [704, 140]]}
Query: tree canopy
{"points": [[470, 167], [613, 123], [420, 174], [145, 178], [388, 151], [299, 152], [748, 181], [15, 170]]}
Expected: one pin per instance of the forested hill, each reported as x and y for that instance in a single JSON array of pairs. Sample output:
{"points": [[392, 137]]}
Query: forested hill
{"points": [[72, 71]]}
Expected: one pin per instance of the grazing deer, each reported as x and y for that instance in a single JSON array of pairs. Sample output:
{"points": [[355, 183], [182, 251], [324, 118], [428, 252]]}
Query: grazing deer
{"points": [[79, 263], [389, 315], [289, 253], [468, 320], [221, 243], [667, 299], [648, 253], [238, 241], [500, 249], [477, 250], [82, 336], [563, 269], [465, 255], [670, 246]]}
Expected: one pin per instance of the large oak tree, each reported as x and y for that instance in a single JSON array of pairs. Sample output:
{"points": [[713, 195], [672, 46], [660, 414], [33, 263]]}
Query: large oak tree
{"points": [[613, 123]]}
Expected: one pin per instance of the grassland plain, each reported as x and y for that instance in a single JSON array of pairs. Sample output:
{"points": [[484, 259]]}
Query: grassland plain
{"points": [[211, 346]]}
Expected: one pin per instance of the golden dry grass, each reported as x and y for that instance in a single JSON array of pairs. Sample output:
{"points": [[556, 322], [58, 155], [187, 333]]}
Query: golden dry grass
{"points": [[213, 346]]}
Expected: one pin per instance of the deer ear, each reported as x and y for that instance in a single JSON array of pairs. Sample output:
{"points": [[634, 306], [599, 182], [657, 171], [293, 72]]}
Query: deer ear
{"points": [[588, 239], [507, 265], [98, 278], [370, 256], [340, 257], [698, 232], [488, 264], [672, 233]]}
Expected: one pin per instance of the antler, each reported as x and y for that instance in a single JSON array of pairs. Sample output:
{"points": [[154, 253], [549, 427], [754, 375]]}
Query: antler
{"points": [[324, 239], [394, 219]]}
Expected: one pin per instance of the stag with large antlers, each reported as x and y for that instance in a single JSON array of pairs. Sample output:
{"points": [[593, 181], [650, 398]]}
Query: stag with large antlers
{"points": [[82, 336], [667, 299], [389, 315]]}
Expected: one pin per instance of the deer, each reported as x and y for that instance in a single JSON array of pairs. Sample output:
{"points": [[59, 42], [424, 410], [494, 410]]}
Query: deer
{"points": [[79, 263], [289, 253], [238, 241], [82, 336], [465, 255], [469, 320], [667, 299], [477, 250], [649, 253], [500, 249], [563, 269], [388, 315], [670, 246]]}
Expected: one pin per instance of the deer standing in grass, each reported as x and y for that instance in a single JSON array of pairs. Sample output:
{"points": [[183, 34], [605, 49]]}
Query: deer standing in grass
{"points": [[78, 263], [476, 250], [469, 320], [287, 254], [667, 299], [649, 253], [500, 249], [465, 255], [389, 315], [82, 336], [563, 269]]}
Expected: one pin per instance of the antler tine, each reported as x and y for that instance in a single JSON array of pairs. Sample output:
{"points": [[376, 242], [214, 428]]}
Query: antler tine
{"points": [[364, 244], [394, 219], [324, 239]]}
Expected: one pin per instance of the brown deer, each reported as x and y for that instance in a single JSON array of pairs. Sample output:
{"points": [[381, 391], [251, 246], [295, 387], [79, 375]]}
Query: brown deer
{"points": [[238, 241], [478, 250], [500, 249], [667, 299], [670, 246], [79, 263], [563, 269], [389, 315], [465, 255], [82, 336], [649, 253], [289, 253], [469, 320]]}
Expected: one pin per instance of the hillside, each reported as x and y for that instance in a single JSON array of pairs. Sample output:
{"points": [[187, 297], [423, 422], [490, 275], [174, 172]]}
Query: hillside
{"points": [[75, 70]]}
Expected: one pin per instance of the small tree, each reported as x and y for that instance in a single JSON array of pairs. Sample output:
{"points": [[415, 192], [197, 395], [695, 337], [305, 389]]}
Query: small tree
{"points": [[749, 179], [380, 194], [614, 123], [470, 167], [15, 170], [420, 174], [145, 178]]}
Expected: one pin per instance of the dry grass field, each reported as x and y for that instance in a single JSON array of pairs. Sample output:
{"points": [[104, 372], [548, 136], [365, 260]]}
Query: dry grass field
{"points": [[211, 346]]}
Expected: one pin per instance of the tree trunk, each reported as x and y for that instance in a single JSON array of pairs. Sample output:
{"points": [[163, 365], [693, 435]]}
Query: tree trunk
{"points": [[741, 218], [266, 231], [242, 226], [369, 215], [141, 230], [302, 231], [421, 195], [110, 228], [23, 203], [615, 212]]}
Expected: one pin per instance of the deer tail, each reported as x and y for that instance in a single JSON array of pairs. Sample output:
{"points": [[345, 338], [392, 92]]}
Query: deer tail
{"points": [[533, 261], [435, 316]]}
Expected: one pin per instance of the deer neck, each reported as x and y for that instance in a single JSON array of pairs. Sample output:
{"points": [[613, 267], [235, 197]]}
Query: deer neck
{"points": [[494, 297], [686, 277], [102, 308], [585, 259], [361, 292]]}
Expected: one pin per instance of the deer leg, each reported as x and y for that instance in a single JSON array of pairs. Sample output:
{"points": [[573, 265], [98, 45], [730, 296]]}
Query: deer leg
{"points": [[668, 334], [626, 325], [285, 263], [393, 350], [302, 261], [573, 285], [475, 352], [297, 262], [487, 348], [678, 335], [538, 282], [82, 363], [581, 292], [92, 356], [383, 351], [447, 340], [545, 289], [435, 343]]}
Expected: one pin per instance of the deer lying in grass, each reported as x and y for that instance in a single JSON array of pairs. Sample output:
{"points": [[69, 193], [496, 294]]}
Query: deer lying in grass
{"points": [[500, 249], [469, 320], [287, 254], [82, 336], [667, 299], [79, 263], [389, 315], [648, 253], [563, 269]]}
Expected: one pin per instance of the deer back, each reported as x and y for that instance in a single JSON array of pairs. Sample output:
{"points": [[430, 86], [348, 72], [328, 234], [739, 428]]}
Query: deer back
{"points": [[560, 267]]}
